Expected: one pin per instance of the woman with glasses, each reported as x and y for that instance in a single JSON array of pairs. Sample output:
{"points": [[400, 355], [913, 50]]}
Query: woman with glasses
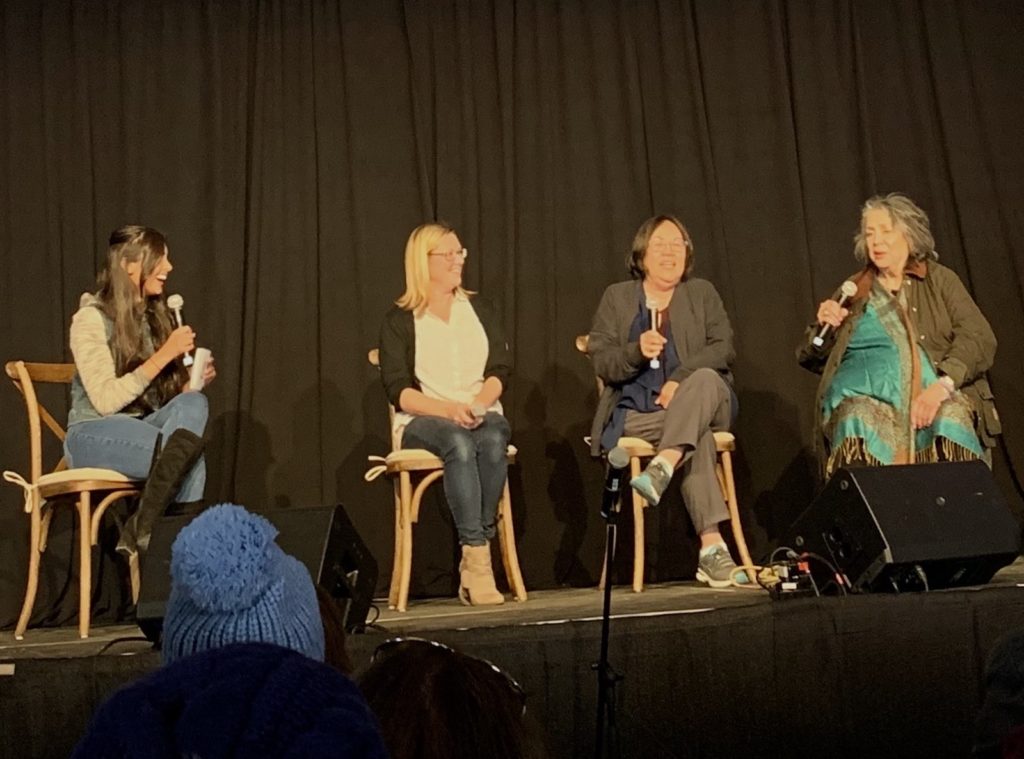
{"points": [[444, 363], [432, 701], [904, 359], [662, 345]]}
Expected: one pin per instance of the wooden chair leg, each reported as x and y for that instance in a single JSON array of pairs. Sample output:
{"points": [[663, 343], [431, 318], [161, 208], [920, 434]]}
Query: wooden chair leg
{"points": [[134, 576], [734, 510], [101, 508], [604, 566], [396, 566], [84, 563], [507, 539], [638, 530], [35, 537], [405, 483]]}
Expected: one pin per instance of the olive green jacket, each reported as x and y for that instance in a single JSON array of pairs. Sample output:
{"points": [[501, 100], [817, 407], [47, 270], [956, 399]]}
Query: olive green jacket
{"points": [[950, 327]]}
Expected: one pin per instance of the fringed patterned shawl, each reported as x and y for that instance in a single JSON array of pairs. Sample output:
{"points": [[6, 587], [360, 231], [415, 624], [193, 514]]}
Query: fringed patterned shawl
{"points": [[866, 407]]}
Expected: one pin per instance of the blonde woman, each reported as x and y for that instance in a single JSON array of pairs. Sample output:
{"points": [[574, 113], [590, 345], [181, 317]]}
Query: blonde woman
{"points": [[444, 363]]}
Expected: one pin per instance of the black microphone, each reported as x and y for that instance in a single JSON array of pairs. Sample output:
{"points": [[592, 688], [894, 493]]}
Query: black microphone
{"points": [[847, 291], [618, 463], [176, 303]]}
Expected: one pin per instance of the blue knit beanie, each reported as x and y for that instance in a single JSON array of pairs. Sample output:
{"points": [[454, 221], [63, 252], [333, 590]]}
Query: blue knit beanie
{"points": [[231, 583]]}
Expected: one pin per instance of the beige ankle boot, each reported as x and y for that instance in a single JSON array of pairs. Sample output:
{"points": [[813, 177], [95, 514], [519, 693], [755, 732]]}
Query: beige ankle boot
{"points": [[476, 583]]}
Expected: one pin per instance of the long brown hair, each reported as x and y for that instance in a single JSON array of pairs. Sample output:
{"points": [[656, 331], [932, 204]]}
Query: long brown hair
{"points": [[129, 308]]}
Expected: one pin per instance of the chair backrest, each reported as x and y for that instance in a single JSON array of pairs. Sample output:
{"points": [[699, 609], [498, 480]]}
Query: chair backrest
{"points": [[374, 358], [583, 346], [24, 375]]}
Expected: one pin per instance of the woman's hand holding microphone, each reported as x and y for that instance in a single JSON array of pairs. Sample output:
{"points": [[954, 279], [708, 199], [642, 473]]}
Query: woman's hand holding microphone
{"points": [[831, 313], [652, 343]]}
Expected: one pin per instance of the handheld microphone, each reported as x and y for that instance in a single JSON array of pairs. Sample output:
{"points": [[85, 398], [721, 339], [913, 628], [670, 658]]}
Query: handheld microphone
{"points": [[618, 463], [176, 303], [847, 291], [478, 410], [652, 308]]}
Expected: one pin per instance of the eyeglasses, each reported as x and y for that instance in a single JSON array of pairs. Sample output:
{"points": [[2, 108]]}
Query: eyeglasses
{"points": [[451, 255], [394, 645], [660, 245]]}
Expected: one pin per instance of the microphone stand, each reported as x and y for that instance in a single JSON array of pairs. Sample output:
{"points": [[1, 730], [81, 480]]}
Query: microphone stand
{"points": [[607, 677]]}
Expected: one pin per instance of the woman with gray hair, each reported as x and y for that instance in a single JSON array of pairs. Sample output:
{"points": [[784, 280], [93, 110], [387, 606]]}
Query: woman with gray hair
{"points": [[903, 355]]}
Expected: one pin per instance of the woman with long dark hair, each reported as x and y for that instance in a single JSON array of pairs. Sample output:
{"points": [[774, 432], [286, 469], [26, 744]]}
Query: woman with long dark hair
{"points": [[131, 410]]}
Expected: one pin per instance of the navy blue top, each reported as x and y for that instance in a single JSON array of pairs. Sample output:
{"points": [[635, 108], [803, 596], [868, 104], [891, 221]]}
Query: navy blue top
{"points": [[641, 392]]}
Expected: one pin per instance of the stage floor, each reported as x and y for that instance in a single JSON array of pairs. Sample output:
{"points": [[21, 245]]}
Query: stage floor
{"points": [[707, 673], [436, 615]]}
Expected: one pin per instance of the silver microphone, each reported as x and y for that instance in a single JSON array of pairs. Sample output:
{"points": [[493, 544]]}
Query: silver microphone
{"points": [[478, 410], [652, 307], [847, 291], [175, 302]]}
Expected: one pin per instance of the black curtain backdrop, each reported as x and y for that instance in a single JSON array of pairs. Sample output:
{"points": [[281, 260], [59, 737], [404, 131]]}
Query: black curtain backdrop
{"points": [[287, 148]]}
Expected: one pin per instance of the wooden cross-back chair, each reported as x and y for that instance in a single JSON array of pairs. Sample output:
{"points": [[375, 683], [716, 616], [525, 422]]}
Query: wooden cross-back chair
{"points": [[402, 464], [639, 450], [45, 490]]}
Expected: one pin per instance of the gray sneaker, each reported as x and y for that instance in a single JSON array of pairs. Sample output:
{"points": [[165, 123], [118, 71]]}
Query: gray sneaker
{"points": [[715, 569], [651, 482]]}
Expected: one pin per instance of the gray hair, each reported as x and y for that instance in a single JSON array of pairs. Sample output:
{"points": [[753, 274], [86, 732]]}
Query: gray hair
{"points": [[908, 217]]}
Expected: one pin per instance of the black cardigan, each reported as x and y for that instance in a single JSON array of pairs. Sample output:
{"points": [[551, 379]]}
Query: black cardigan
{"points": [[398, 348]]}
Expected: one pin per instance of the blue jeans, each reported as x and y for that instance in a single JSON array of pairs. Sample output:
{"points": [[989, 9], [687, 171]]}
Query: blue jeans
{"points": [[126, 443], [475, 469]]}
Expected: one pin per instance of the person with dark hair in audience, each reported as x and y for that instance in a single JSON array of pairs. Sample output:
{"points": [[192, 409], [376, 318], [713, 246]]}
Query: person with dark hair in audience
{"points": [[445, 364], [999, 727], [243, 647], [434, 702], [131, 410], [904, 359], [662, 344]]}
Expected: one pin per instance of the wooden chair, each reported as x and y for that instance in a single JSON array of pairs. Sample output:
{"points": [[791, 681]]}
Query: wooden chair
{"points": [[62, 485], [402, 464], [639, 450]]}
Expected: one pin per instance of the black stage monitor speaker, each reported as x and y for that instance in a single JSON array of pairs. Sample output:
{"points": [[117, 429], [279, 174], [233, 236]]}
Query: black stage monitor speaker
{"points": [[922, 526], [321, 537]]}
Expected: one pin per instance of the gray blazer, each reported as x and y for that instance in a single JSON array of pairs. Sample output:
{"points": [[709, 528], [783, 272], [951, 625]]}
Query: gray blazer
{"points": [[700, 330]]}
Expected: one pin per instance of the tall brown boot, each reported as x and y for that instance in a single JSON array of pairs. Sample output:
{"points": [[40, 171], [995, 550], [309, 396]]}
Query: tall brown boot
{"points": [[476, 584]]}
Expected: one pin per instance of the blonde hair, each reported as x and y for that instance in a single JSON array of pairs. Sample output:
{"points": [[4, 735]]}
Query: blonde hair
{"points": [[417, 274]]}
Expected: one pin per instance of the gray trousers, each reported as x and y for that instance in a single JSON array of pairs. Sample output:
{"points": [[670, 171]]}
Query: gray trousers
{"points": [[703, 403]]}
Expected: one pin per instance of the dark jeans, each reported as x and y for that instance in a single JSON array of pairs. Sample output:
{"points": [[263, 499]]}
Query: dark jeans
{"points": [[475, 468]]}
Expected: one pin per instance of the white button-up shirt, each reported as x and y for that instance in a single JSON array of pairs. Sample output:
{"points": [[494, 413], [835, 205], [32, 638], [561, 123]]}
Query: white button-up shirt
{"points": [[450, 358]]}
